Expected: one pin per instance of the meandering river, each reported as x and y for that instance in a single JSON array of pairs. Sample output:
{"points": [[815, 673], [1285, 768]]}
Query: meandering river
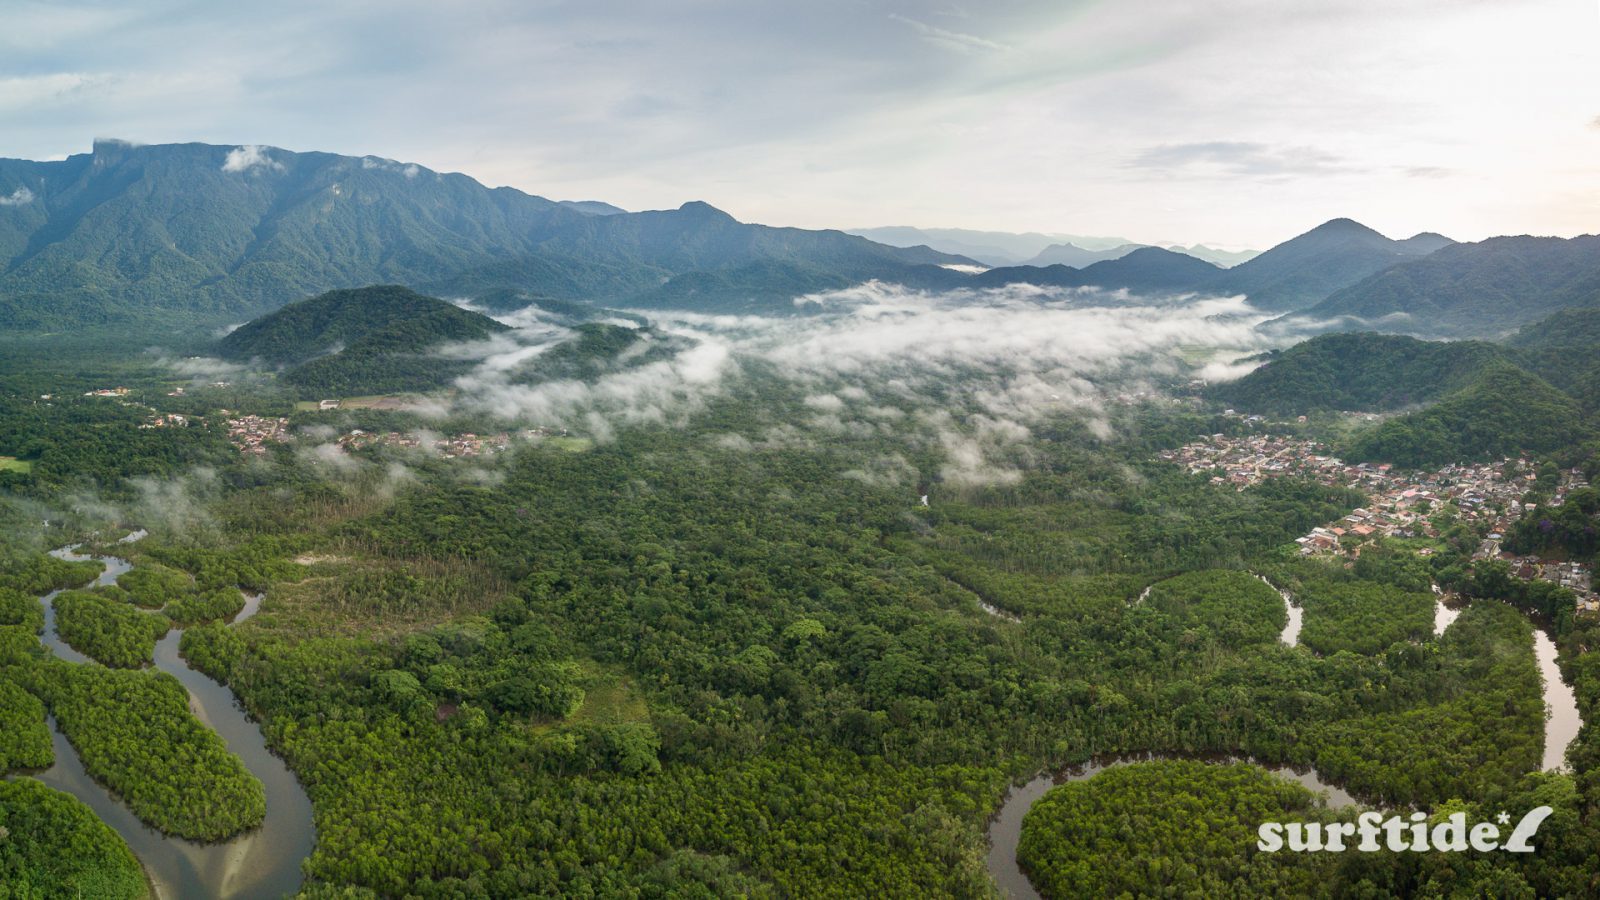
{"points": [[1562, 720], [1005, 827], [261, 863]]}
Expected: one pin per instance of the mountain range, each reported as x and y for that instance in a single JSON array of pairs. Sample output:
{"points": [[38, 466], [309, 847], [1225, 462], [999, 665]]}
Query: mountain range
{"points": [[1004, 248], [1483, 289], [216, 234], [128, 231], [992, 248], [1307, 268], [1146, 269]]}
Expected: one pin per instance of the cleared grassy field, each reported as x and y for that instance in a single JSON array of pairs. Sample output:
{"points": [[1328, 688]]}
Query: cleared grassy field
{"points": [[12, 464], [570, 444]]}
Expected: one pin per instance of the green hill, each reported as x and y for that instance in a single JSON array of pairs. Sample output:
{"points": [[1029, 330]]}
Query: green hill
{"points": [[362, 341], [1565, 350], [1565, 328], [1478, 402], [1358, 371], [1503, 411]]}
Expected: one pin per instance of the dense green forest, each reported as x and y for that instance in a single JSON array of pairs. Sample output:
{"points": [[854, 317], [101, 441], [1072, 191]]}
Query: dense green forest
{"points": [[24, 740], [136, 735], [111, 632], [676, 663], [1386, 599], [1172, 828], [53, 846], [1504, 411], [1568, 530], [1357, 371]]}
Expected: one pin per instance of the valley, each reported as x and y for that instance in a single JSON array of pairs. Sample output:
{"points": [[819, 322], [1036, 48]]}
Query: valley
{"points": [[665, 555], [738, 592]]}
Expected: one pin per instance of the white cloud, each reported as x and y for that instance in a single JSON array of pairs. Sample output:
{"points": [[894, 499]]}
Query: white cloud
{"points": [[968, 374], [949, 40], [19, 197], [1219, 370], [250, 156]]}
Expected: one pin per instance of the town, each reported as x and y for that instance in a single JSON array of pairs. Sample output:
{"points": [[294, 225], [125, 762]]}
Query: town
{"points": [[252, 435], [1487, 497]]}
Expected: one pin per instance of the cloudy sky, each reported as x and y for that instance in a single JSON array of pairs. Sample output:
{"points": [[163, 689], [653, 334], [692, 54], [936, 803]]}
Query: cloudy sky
{"points": [[1236, 122]]}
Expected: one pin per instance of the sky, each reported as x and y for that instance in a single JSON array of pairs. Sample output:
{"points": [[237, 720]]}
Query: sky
{"points": [[1237, 123]]}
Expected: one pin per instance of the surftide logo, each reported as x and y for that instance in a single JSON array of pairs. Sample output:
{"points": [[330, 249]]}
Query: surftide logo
{"points": [[1412, 833]]}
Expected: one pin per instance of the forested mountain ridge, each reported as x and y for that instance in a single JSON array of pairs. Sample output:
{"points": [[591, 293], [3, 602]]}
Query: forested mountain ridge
{"points": [[1565, 349], [1503, 411], [1564, 328], [1296, 273], [1478, 399], [1004, 248], [216, 231], [1358, 371], [1483, 289]]}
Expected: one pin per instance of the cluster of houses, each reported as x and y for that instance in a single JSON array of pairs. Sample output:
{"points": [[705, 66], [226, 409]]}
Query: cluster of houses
{"points": [[1573, 575], [1485, 496], [251, 434], [454, 447], [1248, 460], [169, 420], [108, 392]]}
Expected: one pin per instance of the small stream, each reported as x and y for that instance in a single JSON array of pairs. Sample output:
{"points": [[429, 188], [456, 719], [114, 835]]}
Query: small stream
{"points": [[263, 863], [1443, 615], [1291, 631]]}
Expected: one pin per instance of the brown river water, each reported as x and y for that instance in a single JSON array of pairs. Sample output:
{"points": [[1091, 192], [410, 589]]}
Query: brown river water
{"points": [[262, 863]]}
